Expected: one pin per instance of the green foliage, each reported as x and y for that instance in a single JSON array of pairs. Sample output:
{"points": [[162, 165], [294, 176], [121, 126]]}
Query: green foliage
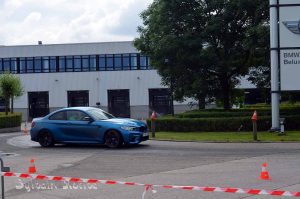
{"points": [[243, 112], [228, 136], [10, 87], [10, 120], [225, 124], [212, 120], [208, 44]]}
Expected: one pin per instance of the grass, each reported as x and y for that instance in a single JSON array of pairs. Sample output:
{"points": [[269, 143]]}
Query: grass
{"points": [[227, 136]]}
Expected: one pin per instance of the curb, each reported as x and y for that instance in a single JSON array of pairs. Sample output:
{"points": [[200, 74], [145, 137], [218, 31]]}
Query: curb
{"points": [[229, 142]]}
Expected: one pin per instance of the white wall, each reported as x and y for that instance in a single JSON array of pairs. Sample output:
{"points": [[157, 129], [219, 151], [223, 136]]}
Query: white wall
{"points": [[96, 82]]}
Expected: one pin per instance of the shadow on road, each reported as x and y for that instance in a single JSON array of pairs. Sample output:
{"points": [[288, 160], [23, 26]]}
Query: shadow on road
{"points": [[92, 146]]}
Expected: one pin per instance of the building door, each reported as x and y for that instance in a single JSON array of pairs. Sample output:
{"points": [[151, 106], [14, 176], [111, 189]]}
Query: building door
{"points": [[159, 101], [78, 98], [118, 103], [38, 103]]}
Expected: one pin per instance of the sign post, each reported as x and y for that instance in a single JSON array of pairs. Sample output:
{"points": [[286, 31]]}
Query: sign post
{"points": [[274, 48]]}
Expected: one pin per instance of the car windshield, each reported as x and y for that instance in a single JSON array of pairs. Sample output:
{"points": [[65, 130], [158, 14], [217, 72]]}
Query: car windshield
{"points": [[99, 114]]}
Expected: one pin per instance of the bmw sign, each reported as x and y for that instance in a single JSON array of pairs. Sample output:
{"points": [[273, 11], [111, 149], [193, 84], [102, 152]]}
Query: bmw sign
{"points": [[293, 26], [288, 43]]}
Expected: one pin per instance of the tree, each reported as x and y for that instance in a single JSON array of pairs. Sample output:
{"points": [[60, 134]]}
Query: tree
{"points": [[172, 31], [10, 87], [231, 25], [17, 91], [260, 73], [209, 42]]}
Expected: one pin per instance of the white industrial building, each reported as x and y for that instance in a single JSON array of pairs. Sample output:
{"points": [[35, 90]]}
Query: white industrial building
{"points": [[111, 75]]}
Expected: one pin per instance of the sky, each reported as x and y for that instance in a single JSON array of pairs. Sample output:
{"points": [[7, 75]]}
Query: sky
{"points": [[69, 21]]}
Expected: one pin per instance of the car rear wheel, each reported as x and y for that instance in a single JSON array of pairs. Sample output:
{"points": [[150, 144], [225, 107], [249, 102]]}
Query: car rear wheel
{"points": [[113, 139], [46, 139]]}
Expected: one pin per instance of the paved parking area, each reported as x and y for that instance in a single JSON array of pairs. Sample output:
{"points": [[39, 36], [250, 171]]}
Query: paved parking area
{"points": [[155, 162]]}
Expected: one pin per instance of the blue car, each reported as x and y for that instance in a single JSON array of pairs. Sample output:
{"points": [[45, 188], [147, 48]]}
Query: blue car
{"points": [[87, 125]]}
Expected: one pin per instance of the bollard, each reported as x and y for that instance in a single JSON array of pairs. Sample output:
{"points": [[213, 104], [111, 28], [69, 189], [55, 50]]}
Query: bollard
{"points": [[153, 118], [282, 122], [254, 121], [3, 169]]}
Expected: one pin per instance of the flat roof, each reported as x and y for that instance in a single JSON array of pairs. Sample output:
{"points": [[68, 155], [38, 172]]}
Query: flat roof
{"points": [[54, 44], [65, 49]]}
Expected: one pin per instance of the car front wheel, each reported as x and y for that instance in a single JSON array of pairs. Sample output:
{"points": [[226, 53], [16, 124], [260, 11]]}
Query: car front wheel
{"points": [[46, 139], [113, 139]]}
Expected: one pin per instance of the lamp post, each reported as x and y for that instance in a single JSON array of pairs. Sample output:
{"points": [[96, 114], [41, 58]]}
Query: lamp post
{"points": [[171, 88]]}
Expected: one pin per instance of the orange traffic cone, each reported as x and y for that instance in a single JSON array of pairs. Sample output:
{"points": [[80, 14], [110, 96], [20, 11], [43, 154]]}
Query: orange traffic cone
{"points": [[264, 175], [32, 168]]}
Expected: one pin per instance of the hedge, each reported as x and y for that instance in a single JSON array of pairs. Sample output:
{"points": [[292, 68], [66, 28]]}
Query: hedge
{"points": [[220, 124], [10, 120], [217, 113]]}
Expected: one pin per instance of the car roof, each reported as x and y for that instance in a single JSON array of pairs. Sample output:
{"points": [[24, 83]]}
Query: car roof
{"points": [[79, 108]]}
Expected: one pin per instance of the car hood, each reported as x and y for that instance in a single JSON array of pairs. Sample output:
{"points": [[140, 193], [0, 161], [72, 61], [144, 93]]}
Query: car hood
{"points": [[36, 119], [127, 122]]}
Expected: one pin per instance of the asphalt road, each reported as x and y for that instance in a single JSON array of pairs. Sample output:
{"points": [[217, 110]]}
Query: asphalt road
{"points": [[154, 162]]}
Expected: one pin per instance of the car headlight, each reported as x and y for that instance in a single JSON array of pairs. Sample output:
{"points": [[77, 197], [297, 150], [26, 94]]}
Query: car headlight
{"points": [[129, 128]]}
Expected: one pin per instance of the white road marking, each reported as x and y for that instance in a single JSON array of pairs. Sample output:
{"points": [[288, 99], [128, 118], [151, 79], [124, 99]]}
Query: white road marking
{"points": [[9, 134], [22, 142]]}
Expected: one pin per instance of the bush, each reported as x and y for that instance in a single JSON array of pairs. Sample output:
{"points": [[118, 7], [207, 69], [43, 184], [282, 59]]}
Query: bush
{"points": [[220, 124], [10, 120], [245, 112]]}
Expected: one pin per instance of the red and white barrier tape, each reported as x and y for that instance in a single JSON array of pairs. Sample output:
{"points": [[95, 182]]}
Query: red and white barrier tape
{"points": [[152, 187]]}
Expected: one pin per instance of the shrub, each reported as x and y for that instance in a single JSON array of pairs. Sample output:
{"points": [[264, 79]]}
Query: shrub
{"points": [[245, 112], [10, 120], [220, 124]]}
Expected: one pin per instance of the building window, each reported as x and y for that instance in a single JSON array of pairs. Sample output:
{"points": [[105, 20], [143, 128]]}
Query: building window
{"points": [[37, 64], [102, 63], [22, 65], [126, 62], [109, 62], [29, 64], [133, 61], [77, 63], [45, 64], [6, 65], [118, 62], [13, 65], [85, 63], [69, 64], [52, 64], [143, 62], [93, 63], [62, 64]]}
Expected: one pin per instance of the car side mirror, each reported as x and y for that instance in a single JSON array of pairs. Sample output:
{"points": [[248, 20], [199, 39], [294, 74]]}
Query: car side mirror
{"points": [[89, 119]]}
